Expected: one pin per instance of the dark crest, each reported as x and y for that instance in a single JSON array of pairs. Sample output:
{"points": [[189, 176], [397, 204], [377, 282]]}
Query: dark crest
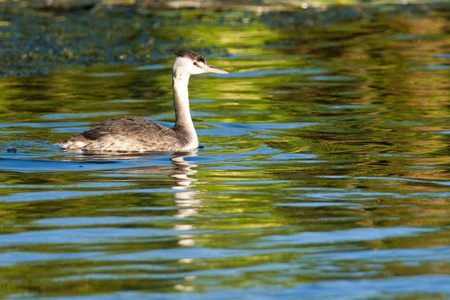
{"points": [[191, 54]]}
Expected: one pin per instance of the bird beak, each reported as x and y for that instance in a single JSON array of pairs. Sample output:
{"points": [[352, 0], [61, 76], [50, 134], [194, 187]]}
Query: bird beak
{"points": [[209, 69]]}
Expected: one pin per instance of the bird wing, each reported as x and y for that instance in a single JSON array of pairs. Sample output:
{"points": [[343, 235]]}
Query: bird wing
{"points": [[136, 127]]}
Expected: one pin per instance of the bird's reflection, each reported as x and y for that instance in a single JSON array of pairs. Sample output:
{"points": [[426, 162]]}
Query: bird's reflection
{"points": [[185, 198], [181, 171]]}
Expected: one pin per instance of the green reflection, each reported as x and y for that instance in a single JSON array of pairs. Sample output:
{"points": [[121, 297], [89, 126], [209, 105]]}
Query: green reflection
{"points": [[325, 159]]}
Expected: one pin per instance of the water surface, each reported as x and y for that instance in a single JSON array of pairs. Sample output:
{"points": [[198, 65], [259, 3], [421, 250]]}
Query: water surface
{"points": [[323, 171]]}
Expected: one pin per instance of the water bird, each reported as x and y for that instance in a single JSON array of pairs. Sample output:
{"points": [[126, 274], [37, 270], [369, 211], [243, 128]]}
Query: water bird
{"points": [[136, 134]]}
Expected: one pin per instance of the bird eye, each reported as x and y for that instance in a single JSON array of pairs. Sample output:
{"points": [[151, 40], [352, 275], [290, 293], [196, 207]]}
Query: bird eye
{"points": [[195, 63]]}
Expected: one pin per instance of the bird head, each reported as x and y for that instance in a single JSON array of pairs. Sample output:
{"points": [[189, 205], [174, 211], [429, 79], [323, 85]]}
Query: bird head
{"points": [[188, 63]]}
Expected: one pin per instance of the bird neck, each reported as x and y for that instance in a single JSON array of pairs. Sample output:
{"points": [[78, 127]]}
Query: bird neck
{"points": [[181, 105]]}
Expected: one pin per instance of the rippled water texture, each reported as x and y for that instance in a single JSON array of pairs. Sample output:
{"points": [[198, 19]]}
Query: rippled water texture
{"points": [[324, 171]]}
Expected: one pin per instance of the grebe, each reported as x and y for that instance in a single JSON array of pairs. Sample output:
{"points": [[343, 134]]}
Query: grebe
{"points": [[136, 134]]}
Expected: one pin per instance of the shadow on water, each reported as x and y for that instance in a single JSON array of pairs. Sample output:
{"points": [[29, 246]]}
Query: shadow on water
{"points": [[323, 172]]}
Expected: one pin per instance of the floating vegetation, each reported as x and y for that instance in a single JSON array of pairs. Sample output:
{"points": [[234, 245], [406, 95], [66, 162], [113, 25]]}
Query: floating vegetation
{"points": [[38, 38]]}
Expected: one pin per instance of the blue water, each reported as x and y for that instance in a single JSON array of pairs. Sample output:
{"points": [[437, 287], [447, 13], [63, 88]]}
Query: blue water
{"points": [[322, 174]]}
